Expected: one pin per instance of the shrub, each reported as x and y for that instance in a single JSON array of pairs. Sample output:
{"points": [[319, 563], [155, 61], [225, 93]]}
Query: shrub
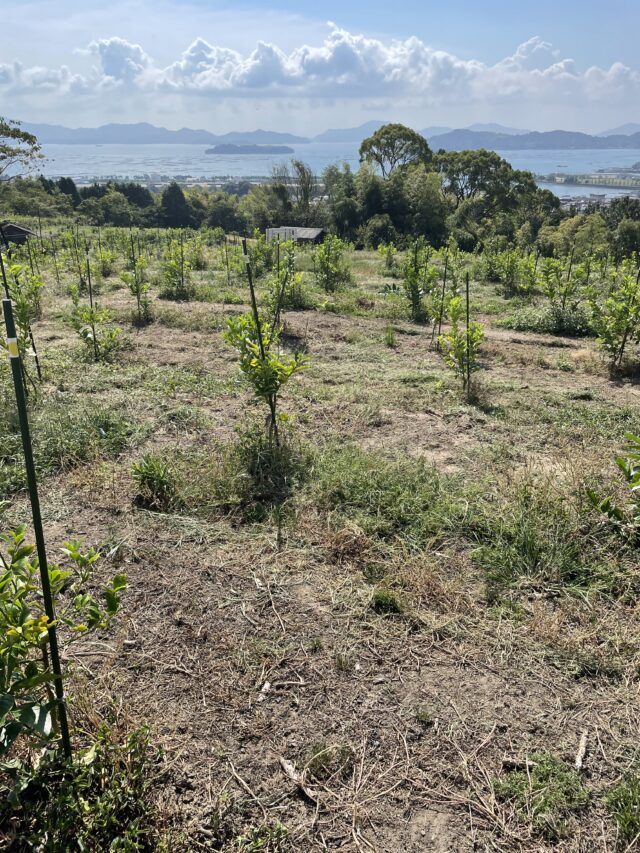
{"points": [[261, 362], [331, 268], [419, 281], [95, 326], [28, 710], [260, 253], [156, 484], [625, 519], [285, 286], [388, 253], [616, 315], [176, 273], [550, 320], [139, 288], [99, 802], [461, 344]]}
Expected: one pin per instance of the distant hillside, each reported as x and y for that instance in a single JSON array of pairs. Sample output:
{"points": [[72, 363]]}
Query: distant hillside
{"points": [[623, 130], [109, 134], [144, 133], [493, 136], [460, 140], [492, 127], [350, 134], [430, 132]]}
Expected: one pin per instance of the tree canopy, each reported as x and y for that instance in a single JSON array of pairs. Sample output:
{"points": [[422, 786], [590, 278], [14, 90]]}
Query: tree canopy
{"points": [[18, 149], [393, 146]]}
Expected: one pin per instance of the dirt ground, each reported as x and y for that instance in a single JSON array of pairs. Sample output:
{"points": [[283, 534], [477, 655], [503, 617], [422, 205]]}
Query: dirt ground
{"points": [[248, 659]]}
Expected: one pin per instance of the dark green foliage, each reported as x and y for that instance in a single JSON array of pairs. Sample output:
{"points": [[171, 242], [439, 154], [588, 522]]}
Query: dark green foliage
{"points": [[330, 266], [177, 283], [175, 210], [100, 804], [384, 600], [549, 320]]}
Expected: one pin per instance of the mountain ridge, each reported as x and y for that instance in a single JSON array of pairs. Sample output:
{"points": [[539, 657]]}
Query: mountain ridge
{"points": [[561, 140], [508, 139], [623, 130], [144, 133]]}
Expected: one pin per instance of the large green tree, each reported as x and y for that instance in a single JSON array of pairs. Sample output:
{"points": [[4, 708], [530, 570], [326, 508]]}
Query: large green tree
{"points": [[174, 207], [19, 150], [483, 174], [393, 146]]}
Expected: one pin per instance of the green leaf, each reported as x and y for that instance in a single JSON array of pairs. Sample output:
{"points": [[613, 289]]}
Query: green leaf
{"points": [[119, 583], [35, 717], [9, 734], [7, 702]]}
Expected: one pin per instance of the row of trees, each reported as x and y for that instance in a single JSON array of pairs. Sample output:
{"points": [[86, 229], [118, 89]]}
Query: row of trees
{"points": [[402, 190]]}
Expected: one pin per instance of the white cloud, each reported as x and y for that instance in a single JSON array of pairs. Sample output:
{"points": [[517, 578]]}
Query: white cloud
{"points": [[20, 80], [344, 66], [120, 60]]}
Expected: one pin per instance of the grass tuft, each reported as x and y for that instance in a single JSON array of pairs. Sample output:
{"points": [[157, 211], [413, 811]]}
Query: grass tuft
{"points": [[546, 795]]}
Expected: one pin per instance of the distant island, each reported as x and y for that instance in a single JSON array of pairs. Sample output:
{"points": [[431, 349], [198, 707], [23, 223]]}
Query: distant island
{"points": [[230, 148], [554, 140]]}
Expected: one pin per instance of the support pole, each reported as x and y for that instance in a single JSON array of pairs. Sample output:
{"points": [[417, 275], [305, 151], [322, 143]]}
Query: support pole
{"points": [[468, 359], [21, 402]]}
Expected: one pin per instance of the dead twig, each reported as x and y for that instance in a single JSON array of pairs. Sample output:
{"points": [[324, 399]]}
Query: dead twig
{"points": [[246, 787], [582, 750], [298, 778]]}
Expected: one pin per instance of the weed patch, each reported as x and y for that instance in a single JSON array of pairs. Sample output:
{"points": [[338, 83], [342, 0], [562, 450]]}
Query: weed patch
{"points": [[547, 795]]}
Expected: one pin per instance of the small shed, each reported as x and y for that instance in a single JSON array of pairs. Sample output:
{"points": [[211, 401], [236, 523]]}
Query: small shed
{"points": [[298, 235], [11, 232]]}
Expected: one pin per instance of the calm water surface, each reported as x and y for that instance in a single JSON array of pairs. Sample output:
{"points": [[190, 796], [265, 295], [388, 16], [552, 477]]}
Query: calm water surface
{"points": [[152, 162]]}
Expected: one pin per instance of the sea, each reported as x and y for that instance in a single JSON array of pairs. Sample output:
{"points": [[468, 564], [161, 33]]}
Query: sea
{"points": [[155, 163]]}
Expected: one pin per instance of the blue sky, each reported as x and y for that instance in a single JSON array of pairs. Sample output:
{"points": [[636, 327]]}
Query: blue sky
{"points": [[305, 66], [589, 31]]}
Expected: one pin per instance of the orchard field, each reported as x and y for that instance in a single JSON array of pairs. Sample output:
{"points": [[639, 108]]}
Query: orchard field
{"points": [[396, 613]]}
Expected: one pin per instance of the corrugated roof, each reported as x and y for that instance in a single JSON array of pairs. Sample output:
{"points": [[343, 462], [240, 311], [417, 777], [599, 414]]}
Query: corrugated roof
{"points": [[308, 233], [10, 228]]}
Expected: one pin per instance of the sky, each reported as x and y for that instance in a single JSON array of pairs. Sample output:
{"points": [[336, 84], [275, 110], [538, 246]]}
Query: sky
{"points": [[302, 67]]}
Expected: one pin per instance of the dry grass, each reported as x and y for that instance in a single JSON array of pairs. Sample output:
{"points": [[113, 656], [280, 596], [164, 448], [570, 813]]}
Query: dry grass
{"points": [[243, 655]]}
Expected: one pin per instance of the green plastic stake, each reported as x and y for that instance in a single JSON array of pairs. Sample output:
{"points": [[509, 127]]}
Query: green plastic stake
{"points": [[21, 401]]}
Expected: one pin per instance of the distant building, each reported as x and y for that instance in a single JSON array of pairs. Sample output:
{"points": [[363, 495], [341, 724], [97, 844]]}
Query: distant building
{"points": [[14, 233], [298, 235]]}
